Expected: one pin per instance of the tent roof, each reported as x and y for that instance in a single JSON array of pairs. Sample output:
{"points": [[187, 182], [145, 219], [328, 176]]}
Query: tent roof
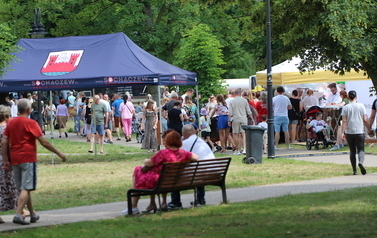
{"points": [[88, 62], [287, 72]]}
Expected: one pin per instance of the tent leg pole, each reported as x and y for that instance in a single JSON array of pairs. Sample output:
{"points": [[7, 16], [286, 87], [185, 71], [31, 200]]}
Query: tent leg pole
{"points": [[51, 122], [95, 126], [159, 115], [197, 105]]}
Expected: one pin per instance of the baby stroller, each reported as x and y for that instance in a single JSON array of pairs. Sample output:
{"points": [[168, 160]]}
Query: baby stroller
{"points": [[317, 139], [136, 125]]}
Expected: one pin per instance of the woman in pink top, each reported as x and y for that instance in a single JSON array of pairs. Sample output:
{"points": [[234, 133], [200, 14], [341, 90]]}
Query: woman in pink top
{"points": [[127, 110]]}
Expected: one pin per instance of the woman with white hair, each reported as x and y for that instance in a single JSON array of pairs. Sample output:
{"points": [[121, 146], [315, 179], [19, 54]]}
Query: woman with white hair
{"points": [[8, 190]]}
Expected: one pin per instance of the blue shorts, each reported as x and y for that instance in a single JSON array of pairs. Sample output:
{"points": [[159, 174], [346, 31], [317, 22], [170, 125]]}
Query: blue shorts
{"points": [[222, 122], [98, 128], [293, 121], [281, 122]]}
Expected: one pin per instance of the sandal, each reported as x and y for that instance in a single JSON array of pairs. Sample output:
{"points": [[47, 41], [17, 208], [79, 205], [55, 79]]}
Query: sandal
{"points": [[164, 208]]}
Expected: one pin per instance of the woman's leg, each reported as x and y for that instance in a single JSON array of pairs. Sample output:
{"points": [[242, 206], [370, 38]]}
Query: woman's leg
{"points": [[352, 145], [124, 127], [293, 132], [229, 137], [128, 127], [152, 202], [208, 139], [222, 139], [135, 201], [163, 195], [359, 143]]}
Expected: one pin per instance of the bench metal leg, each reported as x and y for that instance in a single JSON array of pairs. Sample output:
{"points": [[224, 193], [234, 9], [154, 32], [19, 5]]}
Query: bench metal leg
{"points": [[223, 190], [159, 203], [129, 202]]}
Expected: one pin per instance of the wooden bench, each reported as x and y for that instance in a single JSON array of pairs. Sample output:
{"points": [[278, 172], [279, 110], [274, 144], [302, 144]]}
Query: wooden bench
{"points": [[184, 176], [370, 140]]}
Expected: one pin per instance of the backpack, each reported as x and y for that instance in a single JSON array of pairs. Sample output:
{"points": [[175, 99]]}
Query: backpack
{"points": [[34, 115]]}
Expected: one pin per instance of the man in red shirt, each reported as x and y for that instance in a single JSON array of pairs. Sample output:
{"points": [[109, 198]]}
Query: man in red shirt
{"points": [[19, 148]]}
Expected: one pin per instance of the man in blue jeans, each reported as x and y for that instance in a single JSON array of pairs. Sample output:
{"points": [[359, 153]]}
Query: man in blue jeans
{"points": [[194, 144], [281, 105]]}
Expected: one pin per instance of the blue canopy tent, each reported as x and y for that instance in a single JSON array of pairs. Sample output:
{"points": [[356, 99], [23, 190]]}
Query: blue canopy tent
{"points": [[79, 62], [86, 62]]}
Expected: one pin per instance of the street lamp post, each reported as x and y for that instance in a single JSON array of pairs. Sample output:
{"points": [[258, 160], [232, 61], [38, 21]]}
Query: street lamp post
{"points": [[37, 32], [270, 121]]}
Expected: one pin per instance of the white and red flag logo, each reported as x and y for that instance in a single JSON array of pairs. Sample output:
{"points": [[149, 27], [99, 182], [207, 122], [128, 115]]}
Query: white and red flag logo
{"points": [[62, 62]]}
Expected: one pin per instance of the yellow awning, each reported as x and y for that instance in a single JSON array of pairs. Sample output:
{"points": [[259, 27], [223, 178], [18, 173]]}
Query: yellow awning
{"points": [[288, 73]]}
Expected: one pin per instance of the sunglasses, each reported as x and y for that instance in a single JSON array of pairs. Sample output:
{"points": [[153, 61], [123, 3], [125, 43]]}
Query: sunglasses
{"points": [[212, 97]]}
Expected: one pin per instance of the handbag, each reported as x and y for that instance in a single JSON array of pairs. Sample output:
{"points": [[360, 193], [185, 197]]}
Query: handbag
{"points": [[72, 111], [56, 125]]}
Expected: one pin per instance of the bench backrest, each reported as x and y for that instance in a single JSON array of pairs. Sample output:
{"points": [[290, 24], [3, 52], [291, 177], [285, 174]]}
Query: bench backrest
{"points": [[188, 175]]}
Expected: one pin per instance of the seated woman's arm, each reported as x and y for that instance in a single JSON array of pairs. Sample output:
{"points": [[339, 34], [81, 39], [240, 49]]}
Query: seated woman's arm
{"points": [[148, 164], [194, 157]]}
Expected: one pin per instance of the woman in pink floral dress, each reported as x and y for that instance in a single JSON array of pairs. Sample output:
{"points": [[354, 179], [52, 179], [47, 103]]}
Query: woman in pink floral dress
{"points": [[148, 180], [8, 190]]}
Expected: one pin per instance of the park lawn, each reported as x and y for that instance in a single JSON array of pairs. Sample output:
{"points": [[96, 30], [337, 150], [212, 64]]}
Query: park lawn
{"points": [[344, 213], [72, 147]]}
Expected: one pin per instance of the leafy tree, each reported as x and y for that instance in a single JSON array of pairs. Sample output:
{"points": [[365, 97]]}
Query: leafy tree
{"points": [[7, 41], [340, 34], [200, 51], [155, 25]]}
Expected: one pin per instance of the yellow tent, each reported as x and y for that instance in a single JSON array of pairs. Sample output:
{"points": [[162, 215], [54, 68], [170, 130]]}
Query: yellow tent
{"points": [[288, 73]]}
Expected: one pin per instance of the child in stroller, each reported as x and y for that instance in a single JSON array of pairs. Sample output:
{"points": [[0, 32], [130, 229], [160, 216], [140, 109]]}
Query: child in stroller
{"points": [[136, 127], [320, 132]]}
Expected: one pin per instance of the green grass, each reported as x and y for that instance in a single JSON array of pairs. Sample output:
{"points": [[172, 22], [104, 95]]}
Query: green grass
{"points": [[70, 147], [345, 213]]}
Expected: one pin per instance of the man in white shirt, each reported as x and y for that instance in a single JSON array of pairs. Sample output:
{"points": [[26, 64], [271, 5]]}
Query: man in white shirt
{"points": [[281, 104], [189, 92], [333, 97], [230, 97], [194, 144]]}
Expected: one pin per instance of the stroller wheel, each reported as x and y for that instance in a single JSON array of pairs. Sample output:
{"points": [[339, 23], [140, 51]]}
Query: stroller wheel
{"points": [[308, 145], [316, 146]]}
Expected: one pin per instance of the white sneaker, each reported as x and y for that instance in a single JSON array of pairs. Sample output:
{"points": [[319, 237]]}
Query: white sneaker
{"points": [[235, 152], [341, 145], [243, 152], [276, 148], [289, 148], [264, 152], [134, 211], [336, 147], [214, 150]]}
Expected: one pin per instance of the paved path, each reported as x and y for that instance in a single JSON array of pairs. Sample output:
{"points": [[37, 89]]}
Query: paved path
{"points": [[112, 210]]}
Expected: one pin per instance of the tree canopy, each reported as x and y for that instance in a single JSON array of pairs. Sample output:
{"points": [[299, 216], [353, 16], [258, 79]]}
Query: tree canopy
{"points": [[339, 33]]}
